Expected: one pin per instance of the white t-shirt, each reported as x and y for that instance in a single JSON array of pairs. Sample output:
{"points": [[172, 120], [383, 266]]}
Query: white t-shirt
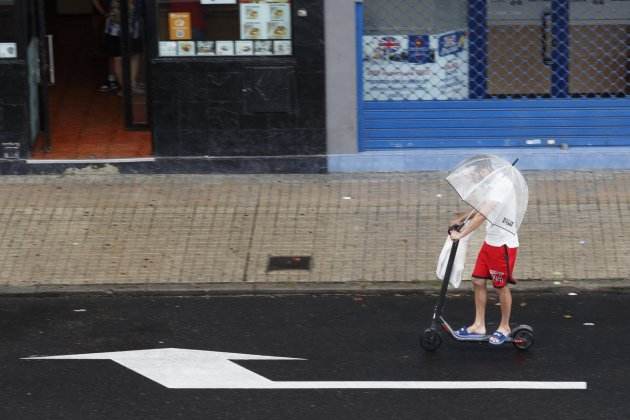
{"points": [[497, 236], [502, 193]]}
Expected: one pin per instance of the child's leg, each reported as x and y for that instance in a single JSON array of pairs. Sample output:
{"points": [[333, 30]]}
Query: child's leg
{"points": [[481, 297], [505, 297]]}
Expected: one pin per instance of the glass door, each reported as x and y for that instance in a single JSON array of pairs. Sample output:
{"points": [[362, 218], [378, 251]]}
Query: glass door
{"points": [[135, 55], [38, 56]]}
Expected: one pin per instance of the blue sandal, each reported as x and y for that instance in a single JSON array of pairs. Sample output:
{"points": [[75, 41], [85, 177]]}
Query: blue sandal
{"points": [[464, 334], [497, 338]]}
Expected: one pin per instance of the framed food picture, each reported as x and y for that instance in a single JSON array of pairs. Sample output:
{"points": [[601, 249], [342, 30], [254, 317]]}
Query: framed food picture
{"points": [[225, 48], [185, 48], [206, 48], [263, 47], [244, 48]]}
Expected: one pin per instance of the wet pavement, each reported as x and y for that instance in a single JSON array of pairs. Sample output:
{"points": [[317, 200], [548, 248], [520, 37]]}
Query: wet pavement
{"points": [[580, 337]]}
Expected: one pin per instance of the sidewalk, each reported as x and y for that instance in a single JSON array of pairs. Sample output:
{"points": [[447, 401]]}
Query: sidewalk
{"points": [[216, 232]]}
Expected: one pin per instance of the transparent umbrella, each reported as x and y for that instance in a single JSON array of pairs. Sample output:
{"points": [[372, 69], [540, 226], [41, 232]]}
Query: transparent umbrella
{"points": [[493, 187]]}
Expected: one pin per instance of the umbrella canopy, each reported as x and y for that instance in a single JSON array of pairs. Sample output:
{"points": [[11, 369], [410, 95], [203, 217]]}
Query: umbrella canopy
{"points": [[493, 187]]}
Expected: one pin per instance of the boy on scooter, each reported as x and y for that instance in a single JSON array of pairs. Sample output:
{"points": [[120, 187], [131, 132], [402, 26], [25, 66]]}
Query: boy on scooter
{"points": [[495, 262]]}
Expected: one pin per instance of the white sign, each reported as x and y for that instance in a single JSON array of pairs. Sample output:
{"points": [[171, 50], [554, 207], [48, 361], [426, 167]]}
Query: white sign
{"points": [[8, 50], [168, 48], [265, 21], [199, 369], [415, 67]]}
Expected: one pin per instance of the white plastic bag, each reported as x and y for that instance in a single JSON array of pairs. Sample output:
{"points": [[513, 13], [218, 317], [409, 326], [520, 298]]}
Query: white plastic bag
{"points": [[458, 264]]}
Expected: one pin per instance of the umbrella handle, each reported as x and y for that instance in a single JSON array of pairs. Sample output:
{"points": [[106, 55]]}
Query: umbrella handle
{"points": [[456, 227]]}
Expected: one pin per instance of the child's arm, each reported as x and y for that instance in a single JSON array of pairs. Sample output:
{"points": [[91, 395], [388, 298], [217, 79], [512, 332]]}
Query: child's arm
{"points": [[473, 223], [459, 218]]}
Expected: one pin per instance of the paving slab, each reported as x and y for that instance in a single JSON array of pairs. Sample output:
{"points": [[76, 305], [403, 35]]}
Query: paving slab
{"points": [[362, 231]]}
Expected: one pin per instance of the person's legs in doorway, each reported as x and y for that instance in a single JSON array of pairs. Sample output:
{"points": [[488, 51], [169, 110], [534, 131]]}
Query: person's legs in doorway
{"points": [[110, 84], [137, 86], [114, 80], [118, 71], [117, 64], [134, 62]]}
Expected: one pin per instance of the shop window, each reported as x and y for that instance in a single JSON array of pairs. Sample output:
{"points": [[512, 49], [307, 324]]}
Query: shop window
{"points": [[224, 28], [415, 50], [8, 36]]}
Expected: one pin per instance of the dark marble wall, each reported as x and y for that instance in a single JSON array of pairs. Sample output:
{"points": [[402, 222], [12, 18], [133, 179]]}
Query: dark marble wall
{"points": [[256, 106], [14, 105]]}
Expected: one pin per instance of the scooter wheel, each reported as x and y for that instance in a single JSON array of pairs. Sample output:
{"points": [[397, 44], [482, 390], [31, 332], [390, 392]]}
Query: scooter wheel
{"points": [[430, 340], [523, 338]]}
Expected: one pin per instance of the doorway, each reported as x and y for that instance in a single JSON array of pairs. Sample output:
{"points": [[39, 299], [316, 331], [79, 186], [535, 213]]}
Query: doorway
{"points": [[79, 118]]}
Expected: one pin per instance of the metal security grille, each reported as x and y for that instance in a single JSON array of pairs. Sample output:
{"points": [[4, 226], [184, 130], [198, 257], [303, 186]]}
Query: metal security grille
{"points": [[450, 73], [446, 49], [559, 49], [415, 50]]}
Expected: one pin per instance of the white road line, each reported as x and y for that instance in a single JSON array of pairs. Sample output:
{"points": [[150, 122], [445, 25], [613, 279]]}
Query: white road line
{"points": [[201, 369], [430, 385]]}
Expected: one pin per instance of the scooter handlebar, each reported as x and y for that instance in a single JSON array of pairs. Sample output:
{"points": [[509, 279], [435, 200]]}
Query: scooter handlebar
{"points": [[456, 227]]}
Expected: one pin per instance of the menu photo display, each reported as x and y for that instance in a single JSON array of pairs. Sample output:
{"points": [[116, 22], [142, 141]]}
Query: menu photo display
{"points": [[265, 30], [265, 20], [206, 48]]}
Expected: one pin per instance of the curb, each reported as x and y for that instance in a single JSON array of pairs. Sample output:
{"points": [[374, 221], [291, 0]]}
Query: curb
{"points": [[315, 164], [601, 285]]}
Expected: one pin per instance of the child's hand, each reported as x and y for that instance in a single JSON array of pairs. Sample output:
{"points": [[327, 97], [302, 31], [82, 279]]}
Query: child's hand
{"points": [[455, 235]]}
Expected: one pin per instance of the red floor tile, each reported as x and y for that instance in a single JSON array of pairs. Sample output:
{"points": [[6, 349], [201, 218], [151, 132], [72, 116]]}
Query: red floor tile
{"points": [[85, 123]]}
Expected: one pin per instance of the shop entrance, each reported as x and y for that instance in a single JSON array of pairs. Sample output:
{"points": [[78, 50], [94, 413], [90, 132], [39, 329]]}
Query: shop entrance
{"points": [[78, 117]]}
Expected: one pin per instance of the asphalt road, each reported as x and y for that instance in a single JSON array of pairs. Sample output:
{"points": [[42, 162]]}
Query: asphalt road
{"points": [[343, 338]]}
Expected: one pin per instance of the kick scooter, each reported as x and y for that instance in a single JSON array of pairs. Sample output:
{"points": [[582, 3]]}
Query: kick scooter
{"points": [[522, 336]]}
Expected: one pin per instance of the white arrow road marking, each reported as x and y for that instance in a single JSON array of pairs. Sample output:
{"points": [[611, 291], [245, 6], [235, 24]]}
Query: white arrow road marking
{"points": [[199, 369]]}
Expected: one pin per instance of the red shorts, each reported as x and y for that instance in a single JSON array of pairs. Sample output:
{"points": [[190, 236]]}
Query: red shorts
{"points": [[496, 263]]}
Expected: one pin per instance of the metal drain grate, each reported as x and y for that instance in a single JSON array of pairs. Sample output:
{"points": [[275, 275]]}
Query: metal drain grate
{"points": [[289, 263]]}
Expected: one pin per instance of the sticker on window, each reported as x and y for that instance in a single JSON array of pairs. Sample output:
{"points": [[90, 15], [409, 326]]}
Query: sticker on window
{"points": [[8, 50]]}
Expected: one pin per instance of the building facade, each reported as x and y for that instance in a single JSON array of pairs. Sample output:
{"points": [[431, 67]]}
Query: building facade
{"points": [[228, 78], [218, 77]]}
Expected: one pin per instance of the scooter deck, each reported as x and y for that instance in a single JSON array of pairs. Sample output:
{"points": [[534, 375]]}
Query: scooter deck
{"points": [[480, 338], [483, 338]]}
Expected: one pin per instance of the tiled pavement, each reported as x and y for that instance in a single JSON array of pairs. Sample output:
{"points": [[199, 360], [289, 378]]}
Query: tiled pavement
{"points": [[217, 232]]}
